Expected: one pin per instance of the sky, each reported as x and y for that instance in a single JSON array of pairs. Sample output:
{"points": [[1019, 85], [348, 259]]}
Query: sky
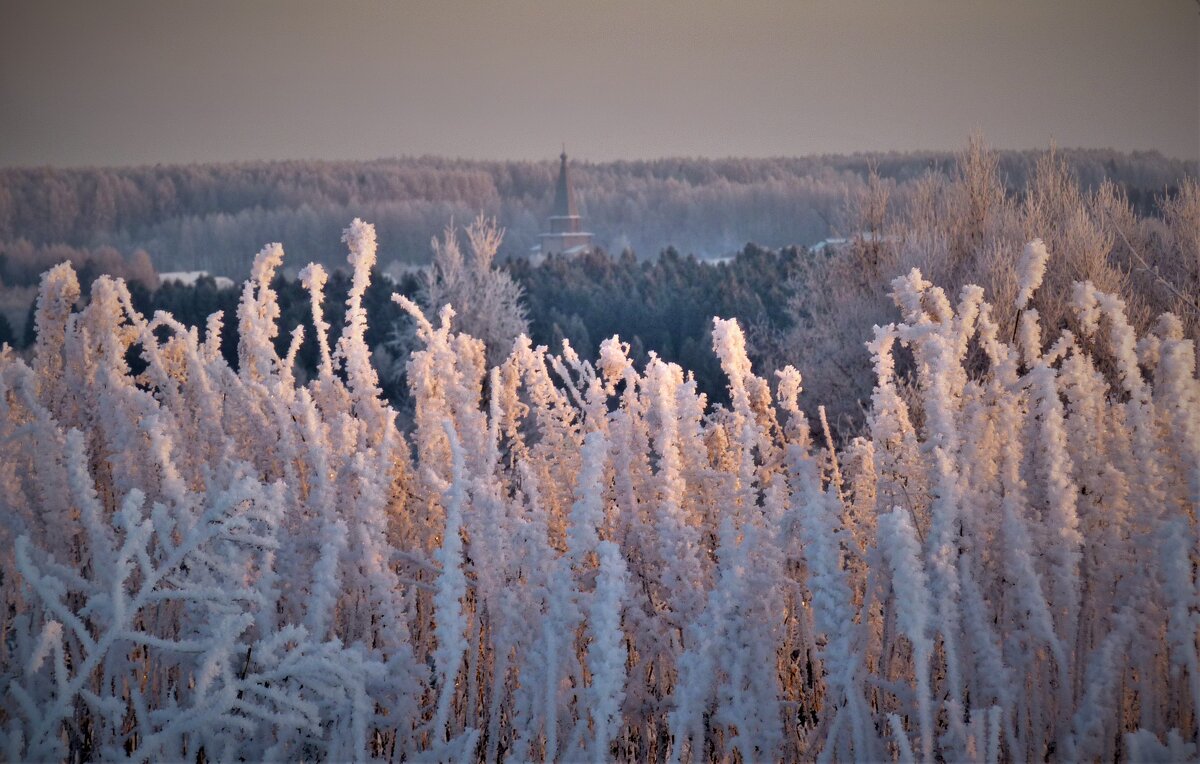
{"points": [[140, 82]]}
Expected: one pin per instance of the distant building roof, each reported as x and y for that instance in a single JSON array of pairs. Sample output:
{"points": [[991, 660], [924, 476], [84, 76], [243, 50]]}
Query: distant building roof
{"points": [[188, 278], [839, 242]]}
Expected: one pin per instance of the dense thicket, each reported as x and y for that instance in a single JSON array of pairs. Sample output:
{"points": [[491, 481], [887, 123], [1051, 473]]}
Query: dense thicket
{"points": [[968, 227], [192, 304], [589, 561], [662, 305], [206, 217]]}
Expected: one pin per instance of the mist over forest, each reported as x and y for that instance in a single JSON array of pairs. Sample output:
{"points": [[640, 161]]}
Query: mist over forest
{"points": [[213, 217]]}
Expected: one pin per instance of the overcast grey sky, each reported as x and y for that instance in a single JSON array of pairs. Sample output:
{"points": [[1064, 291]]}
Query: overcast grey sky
{"points": [[120, 82]]}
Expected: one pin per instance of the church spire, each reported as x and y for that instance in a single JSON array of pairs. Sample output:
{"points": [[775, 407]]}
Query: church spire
{"points": [[566, 235], [564, 193]]}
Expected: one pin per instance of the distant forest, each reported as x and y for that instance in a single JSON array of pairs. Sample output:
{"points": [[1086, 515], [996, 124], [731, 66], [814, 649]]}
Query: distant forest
{"points": [[215, 217]]}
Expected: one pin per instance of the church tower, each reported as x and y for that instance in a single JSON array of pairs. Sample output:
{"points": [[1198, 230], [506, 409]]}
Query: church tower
{"points": [[566, 235]]}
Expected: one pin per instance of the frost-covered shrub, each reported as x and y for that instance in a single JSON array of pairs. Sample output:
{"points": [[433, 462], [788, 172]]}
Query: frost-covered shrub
{"points": [[486, 299], [972, 227], [575, 561]]}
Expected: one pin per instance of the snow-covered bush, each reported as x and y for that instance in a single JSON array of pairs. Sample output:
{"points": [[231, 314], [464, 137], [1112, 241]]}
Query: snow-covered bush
{"points": [[486, 299], [568, 561], [971, 227]]}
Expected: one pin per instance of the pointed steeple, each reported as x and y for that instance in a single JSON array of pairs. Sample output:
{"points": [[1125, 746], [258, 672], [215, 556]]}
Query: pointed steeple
{"points": [[566, 235], [564, 193]]}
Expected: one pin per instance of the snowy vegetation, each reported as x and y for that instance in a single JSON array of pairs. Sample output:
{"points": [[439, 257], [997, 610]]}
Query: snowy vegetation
{"points": [[968, 228], [210, 216], [588, 561], [486, 300]]}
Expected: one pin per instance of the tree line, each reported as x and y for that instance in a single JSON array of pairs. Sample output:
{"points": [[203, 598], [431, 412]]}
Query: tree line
{"points": [[208, 216]]}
